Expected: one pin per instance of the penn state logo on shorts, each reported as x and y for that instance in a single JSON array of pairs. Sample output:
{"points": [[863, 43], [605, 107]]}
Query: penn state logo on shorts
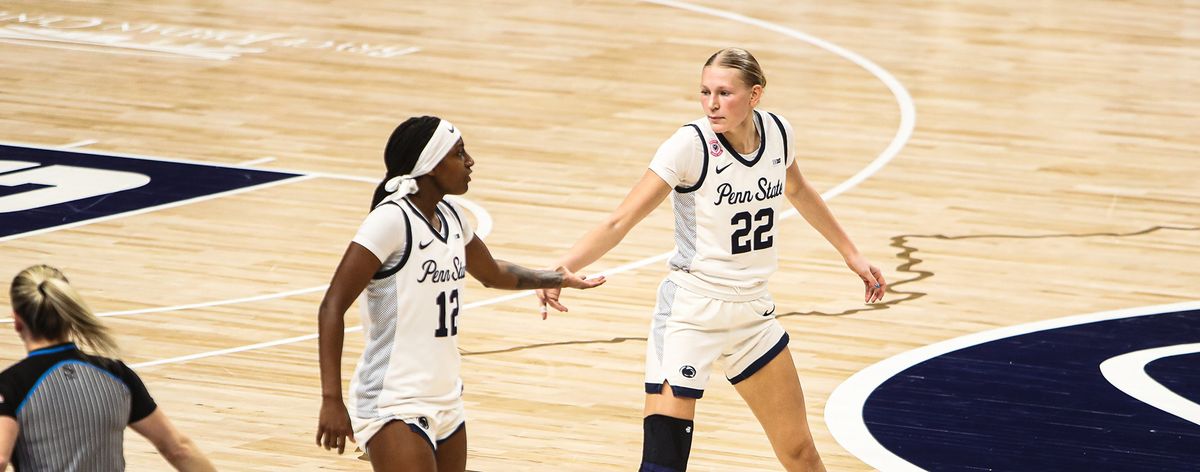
{"points": [[688, 371], [1106, 391], [424, 422], [714, 146], [47, 188]]}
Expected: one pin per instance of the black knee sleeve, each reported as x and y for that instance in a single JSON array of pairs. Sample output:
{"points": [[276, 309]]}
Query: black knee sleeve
{"points": [[666, 444]]}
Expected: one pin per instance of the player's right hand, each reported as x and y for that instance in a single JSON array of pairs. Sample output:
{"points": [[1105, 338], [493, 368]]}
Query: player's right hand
{"points": [[549, 296], [581, 282], [333, 427]]}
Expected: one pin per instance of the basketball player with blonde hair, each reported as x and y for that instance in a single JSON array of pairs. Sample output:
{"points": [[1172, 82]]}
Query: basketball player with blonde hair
{"points": [[411, 256], [64, 410], [727, 174]]}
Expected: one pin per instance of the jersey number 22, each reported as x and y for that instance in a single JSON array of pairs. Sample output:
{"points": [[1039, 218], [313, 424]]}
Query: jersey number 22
{"points": [[744, 223]]}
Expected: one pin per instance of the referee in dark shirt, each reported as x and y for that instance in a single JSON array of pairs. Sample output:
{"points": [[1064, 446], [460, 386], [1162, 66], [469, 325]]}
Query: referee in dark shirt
{"points": [[64, 410]]}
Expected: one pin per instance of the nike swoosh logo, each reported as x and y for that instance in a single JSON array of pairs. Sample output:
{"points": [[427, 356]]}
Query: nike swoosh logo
{"points": [[424, 245], [722, 169], [769, 313], [451, 128]]}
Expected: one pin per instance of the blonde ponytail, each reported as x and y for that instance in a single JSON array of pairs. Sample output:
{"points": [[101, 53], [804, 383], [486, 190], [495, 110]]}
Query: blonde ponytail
{"points": [[52, 310]]}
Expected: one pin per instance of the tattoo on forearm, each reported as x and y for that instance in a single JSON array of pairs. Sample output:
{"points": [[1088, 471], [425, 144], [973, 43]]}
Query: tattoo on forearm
{"points": [[530, 278]]}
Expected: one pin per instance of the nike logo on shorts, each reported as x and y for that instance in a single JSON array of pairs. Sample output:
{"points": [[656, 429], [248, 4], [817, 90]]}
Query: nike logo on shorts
{"points": [[769, 313]]}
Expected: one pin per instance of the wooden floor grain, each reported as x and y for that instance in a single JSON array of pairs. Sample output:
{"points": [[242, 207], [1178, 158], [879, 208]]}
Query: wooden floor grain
{"points": [[1052, 171]]}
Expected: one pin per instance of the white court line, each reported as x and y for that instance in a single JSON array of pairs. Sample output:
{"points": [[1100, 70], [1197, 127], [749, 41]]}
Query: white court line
{"points": [[903, 134], [113, 44], [299, 177], [1127, 372], [843, 410], [79, 144], [234, 301], [142, 156], [254, 162], [297, 339], [908, 111], [484, 219], [143, 52], [485, 227], [190, 306], [140, 211]]}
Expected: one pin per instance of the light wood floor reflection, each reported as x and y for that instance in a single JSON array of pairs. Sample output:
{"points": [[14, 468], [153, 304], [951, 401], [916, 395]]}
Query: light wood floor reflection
{"points": [[1032, 119]]}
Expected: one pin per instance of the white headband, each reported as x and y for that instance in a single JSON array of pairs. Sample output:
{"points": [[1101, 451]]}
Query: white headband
{"points": [[444, 138]]}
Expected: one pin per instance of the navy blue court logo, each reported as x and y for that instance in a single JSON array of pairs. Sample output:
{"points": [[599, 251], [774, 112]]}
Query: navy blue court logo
{"points": [[1108, 391], [688, 371], [43, 188]]}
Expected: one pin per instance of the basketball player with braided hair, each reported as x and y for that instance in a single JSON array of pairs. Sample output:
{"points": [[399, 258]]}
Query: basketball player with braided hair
{"points": [[727, 174], [62, 409], [411, 255]]}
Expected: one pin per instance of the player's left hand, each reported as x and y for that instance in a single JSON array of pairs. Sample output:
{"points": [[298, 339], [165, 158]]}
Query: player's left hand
{"points": [[548, 297], [871, 276]]}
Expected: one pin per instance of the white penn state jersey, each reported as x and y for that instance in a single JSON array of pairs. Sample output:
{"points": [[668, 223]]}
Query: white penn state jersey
{"points": [[726, 206], [410, 310]]}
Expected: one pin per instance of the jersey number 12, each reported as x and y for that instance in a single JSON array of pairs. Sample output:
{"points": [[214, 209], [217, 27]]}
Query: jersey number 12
{"points": [[443, 301]]}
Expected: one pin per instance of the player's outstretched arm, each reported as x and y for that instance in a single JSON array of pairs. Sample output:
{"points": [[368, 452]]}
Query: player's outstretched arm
{"points": [[351, 277], [642, 199], [506, 275], [812, 207]]}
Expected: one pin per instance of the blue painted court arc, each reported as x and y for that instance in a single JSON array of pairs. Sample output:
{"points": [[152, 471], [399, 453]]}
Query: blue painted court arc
{"points": [[1038, 401]]}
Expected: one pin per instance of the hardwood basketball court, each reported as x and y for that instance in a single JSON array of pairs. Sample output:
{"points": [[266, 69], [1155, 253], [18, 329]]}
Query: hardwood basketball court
{"points": [[1004, 163]]}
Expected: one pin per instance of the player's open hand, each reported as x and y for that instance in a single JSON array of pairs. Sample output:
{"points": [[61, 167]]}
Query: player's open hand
{"points": [[871, 276], [333, 427], [548, 297], [582, 282]]}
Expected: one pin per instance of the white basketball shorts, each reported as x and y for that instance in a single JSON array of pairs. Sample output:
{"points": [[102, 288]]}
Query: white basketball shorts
{"points": [[434, 424], [690, 332]]}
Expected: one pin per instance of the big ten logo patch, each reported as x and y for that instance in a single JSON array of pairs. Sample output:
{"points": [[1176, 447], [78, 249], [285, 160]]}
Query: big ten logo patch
{"points": [[43, 188]]}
